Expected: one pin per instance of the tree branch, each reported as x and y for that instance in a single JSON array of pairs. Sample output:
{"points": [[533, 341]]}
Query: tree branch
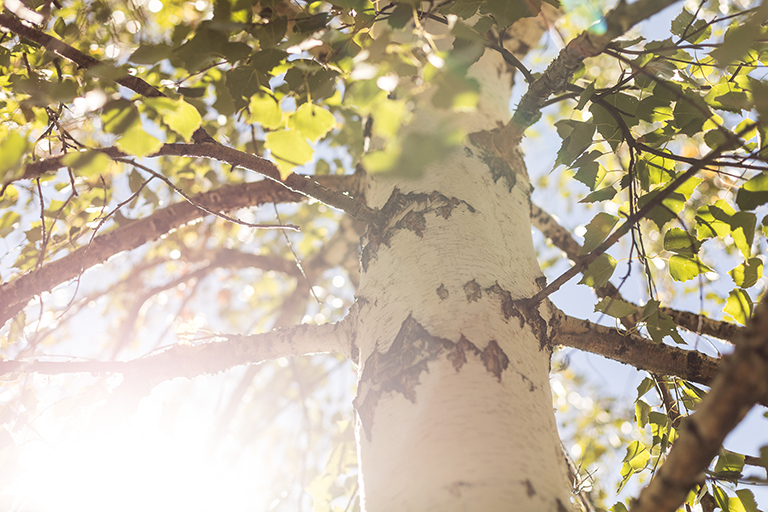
{"points": [[189, 361], [587, 44], [742, 381], [563, 240], [635, 350], [18, 292]]}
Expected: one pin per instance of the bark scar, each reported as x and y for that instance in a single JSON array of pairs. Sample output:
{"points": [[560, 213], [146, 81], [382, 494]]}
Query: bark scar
{"points": [[398, 370]]}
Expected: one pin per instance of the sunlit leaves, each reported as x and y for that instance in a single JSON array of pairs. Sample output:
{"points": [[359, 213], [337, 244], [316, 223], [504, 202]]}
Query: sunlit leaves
{"points": [[753, 193], [88, 163], [265, 110], [599, 271], [290, 149], [616, 308], [8, 222], [178, 115], [681, 242], [598, 230], [577, 137], [635, 460], [12, 147], [747, 274], [738, 306], [312, 121], [686, 25], [137, 142], [683, 268]]}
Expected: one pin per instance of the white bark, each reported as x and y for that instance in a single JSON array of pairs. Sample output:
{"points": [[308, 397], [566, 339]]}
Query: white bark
{"points": [[454, 405]]}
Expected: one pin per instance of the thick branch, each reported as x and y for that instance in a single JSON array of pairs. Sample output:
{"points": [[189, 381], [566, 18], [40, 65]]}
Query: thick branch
{"points": [[17, 293], [587, 44], [742, 381], [563, 240], [192, 360], [635, 350]]}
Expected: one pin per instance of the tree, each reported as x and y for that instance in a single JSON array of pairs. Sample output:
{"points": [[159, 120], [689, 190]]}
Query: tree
{"points": [[147, 133]]}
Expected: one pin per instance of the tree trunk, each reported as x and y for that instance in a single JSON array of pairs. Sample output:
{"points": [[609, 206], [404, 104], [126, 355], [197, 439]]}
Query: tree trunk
{"points": [[454, 405]]}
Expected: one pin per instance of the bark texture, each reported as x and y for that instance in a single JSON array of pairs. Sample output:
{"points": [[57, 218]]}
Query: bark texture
{"points": [[454, 405]]}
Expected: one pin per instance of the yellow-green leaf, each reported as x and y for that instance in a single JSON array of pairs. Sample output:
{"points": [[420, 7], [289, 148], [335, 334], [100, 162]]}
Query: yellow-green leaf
{"points": [[747, 274], [137, 142], [738, 306], [682, 268], [87, 163], [265, 111], [312, 121], [599, 271], [289, 149], [178, 115], [616, 308], [598, 230], [12, 148]]}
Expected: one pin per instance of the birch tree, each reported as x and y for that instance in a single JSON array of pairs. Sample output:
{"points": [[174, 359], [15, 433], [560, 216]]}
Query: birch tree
{"points": [[190, 188]]}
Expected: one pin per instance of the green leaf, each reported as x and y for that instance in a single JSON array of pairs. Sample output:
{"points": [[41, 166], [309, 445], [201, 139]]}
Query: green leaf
{"points": [[598, 230], [747, 499], [645, 386], [597, 196], [243, 82], [8, 222], [747, 274], [642, 410], [682, 22], [312, 121], [714, 220], [119, 116], [682, 268], [616, 308], [577, 137], [659, 326], [88, 163], [681, 242], [599, 271], [265, 110], [289, 148], [738, 306], [635, 460], [666, 211], [12, 148], [729, 462], [178, 115], [590, 173], [150, 53], [753, 193], [137, 142]]}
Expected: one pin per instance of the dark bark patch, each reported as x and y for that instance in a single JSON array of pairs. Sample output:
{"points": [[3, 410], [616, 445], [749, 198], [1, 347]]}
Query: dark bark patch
{"points": [[473, 290], [458, 356], [541, 282], [529, 316], [413, 221], [529, 490], [560, 506], [442, 292], [399, 369], [494, 359]]}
